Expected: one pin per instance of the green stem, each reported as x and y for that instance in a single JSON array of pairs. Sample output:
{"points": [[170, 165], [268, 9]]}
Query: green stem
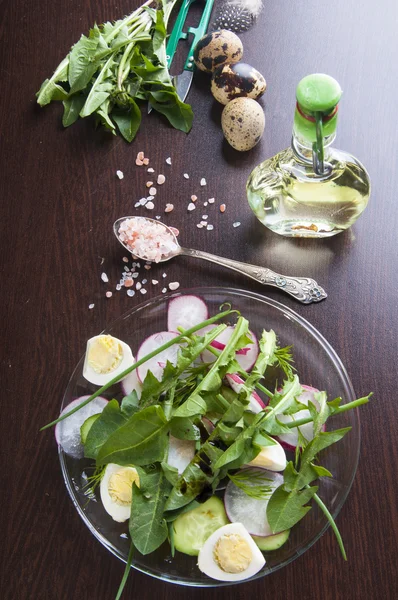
{"points": [[333, 525], [124, 373], [337, 411], [127, 21], [126, 572]]}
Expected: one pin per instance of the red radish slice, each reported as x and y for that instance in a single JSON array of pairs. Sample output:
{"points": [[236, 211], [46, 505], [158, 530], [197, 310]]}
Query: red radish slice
{"points": [[154, 364], [186, 312], [245, 358], [256, 405], [130, 383], [67, 432], [244, 509], [290, 440]]}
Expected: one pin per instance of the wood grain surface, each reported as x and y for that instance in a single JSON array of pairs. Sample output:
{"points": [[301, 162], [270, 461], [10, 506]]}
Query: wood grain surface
{"points": [[59, 196]]}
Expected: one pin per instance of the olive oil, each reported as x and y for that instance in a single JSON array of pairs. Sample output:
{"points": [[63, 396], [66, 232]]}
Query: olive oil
{"points": [[310, 190]]}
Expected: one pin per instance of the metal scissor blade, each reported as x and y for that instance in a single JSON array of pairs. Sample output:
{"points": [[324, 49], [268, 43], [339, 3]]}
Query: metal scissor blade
{"points": [[182, 84]]}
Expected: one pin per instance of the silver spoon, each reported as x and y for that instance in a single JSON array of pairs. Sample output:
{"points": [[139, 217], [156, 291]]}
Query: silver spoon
{"points": [[304, 289]]}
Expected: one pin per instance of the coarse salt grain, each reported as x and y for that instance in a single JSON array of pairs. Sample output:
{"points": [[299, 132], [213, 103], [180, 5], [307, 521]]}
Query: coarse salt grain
{"points": [[186, 176], [134, 275], [144, 281], [205, 203], [143, 291], [150, 205], [194, 198], [157, 217], [155, 281], [191, 206], [104, 277], [164, 275], [211, 200], [204, 217], [138, 285], [108, 294], [140, 156], [125, 259], [168, 160], [130, 293], [203, 181], [137, 204], [210, 227], [203, 223], [120, 174], [169, 208], [153, 191], [236, 224], [164, 290], [143, 201], [150, 170], [118, 287], [91, 306], [199, 225], [149, 184], [147, 267], [222, 208], [139, 162], [128, 283], [174, 286], [150, 198], [146, 161], [161, 179]]}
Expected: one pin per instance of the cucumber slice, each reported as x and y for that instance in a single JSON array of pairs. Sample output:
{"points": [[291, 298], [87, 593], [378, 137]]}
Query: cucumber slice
{"points": [[272, 542], [85, 428], [192, 528]]}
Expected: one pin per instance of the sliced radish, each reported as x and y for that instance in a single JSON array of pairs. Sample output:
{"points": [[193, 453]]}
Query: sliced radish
{"points": [[250, 512], [256, 405], [186, 312], [181, 452], [290, 440], [246, 357], [67, 432], [155, 364], [131, 383]]}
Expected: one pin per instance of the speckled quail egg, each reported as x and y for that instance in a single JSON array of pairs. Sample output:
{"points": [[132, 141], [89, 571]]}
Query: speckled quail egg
{"points": [[116, 490], [106, 357], [230, 554], [237, 80], [243, 123], [217, 48]]}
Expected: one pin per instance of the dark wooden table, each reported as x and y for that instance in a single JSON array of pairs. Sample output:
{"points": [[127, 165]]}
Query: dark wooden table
{"points": [[59, 197]]}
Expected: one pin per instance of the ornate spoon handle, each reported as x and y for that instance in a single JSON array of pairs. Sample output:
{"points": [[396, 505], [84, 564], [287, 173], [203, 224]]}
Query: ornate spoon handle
{"points": [[304, 289]]}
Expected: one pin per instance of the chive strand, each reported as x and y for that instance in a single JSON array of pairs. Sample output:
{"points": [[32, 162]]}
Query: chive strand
{"points": [[126, 572], [333, 525]]}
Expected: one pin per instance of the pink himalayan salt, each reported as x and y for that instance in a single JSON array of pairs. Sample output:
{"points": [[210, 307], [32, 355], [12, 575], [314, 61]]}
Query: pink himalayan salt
{"points": [[146, 239]]}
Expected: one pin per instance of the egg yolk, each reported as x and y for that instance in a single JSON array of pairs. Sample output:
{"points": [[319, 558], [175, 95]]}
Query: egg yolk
{"points": [[120, 486], [232, 553], [104, 354]]}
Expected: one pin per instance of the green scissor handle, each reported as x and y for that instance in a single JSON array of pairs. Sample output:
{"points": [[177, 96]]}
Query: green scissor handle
{"points": [[178, 34]]}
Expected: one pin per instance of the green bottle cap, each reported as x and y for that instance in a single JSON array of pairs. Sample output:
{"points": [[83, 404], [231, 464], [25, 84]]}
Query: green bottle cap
{"points": [[318, 93]]}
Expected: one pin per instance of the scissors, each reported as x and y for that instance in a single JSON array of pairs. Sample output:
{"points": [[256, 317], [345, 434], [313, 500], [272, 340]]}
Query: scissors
{"points": [[182, 82]]}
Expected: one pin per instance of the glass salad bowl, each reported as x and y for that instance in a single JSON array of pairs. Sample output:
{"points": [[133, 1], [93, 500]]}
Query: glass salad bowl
{"points": [[317, 365]]}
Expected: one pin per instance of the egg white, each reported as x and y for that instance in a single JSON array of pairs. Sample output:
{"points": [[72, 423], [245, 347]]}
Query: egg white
{"points": [[101, 379], [208, 565], [118, 512], [272, 458]]}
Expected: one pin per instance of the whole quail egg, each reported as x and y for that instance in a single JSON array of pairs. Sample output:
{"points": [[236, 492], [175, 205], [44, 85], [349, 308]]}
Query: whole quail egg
{"points": [[237, 80], [230, 554], [243, 123], [217, 48]]}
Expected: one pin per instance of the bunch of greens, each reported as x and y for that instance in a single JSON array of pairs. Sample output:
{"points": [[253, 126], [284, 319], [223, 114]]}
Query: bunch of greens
{"points": [[136, 432], [116, 65]]}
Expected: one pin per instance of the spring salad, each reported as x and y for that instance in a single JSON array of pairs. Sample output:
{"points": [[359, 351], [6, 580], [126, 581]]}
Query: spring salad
{"points": [[194, 456]]}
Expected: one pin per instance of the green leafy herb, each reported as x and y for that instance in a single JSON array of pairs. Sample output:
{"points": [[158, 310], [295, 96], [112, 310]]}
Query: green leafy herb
{"points": [[148, 528], [253, 483], [106, 72]]}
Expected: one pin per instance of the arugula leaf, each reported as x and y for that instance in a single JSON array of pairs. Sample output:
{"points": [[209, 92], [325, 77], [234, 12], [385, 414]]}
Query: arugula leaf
{"points": [[128, 120], [108, 421], [147, 527], [139, 441], [285, 509], [72, 107]]}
